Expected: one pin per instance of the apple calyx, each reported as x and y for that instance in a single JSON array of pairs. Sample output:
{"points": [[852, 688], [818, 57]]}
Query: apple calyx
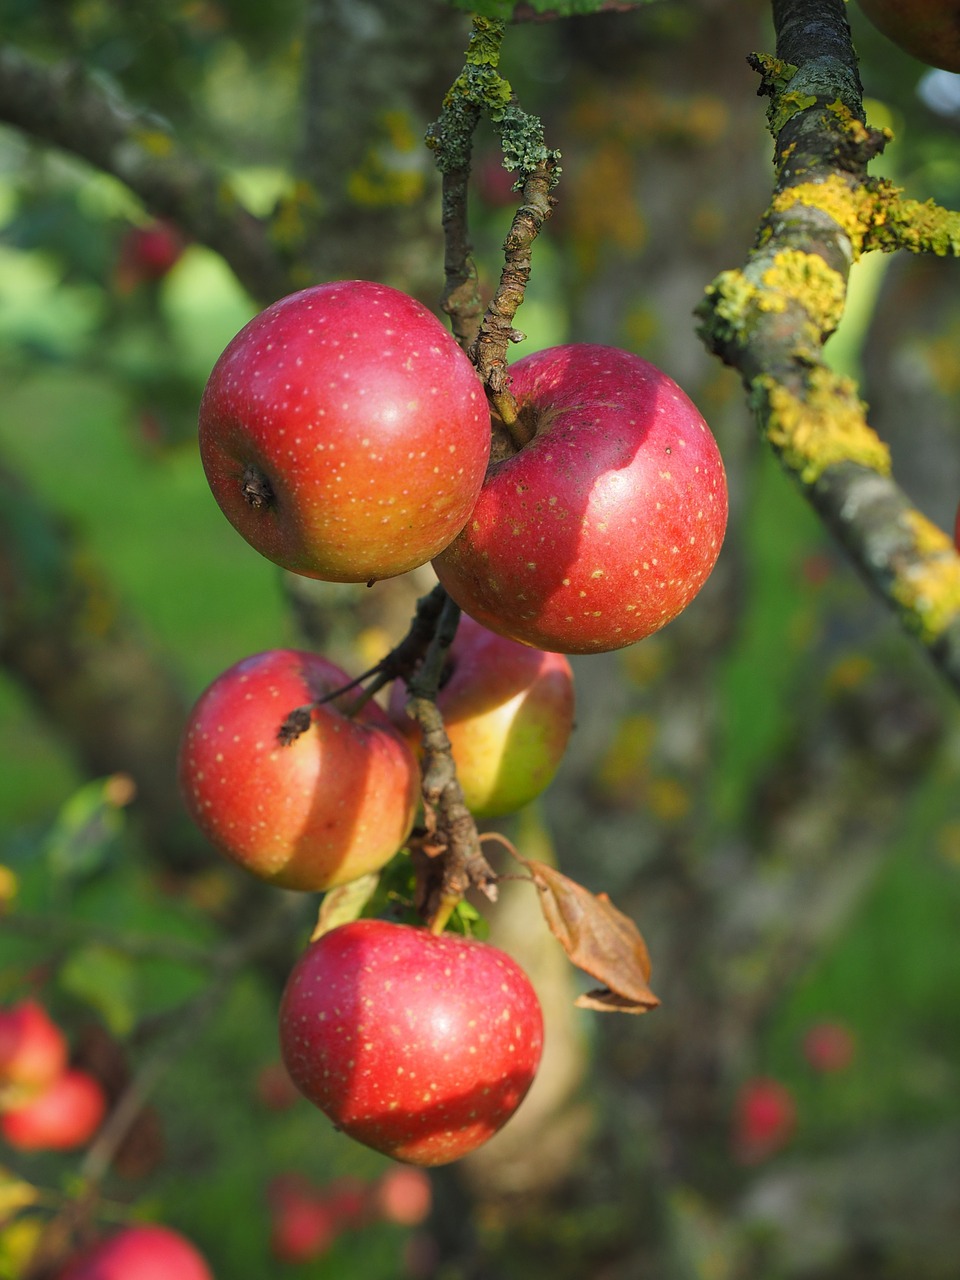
{"points": [[256, 488]]}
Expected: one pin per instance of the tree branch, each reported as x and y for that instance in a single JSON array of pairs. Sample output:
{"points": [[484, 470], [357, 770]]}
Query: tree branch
{"points": [[64, 105], [771, 319]]}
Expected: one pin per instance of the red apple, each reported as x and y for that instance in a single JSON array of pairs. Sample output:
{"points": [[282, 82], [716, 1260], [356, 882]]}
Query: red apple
{"points": [[829, 1046], [344, 433], [33, 1051], [764, 1119], [336, 803], [508, 711], [302, 1225], [147, 253], [927, 29], [419, 1046], [66, 1114], [145, 1252], [404, 1195], [603, 526]]}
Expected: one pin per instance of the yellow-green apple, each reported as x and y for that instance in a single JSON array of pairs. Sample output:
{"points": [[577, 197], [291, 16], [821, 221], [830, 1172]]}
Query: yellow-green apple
{"points": [[337, 802], [63, 1115], [344, 433], [145, 1251], [508, 711], [607, 522], [420, 1046], [927, 29]]}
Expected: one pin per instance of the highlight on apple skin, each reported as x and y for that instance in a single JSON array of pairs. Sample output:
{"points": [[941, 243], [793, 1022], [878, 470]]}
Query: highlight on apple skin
{"points": [[337, 802], [603, 526], [508, 711], [417, 1045], [344, 433]]}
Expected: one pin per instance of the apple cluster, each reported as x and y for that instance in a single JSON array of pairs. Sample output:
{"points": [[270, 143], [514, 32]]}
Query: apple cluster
{"points": [[45, 1104], [347, 437]]}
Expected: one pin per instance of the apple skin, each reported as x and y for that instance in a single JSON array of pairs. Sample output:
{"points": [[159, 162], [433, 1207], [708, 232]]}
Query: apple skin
{"points": [[368, 422], [508, 711], [336, 803], [65, 1115], [33, 1051], [605, 525], [419, 1046], [147, 1252], [926, 29]]}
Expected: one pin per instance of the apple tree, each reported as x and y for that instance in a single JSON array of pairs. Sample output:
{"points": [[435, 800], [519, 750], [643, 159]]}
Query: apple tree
{"points": [[710, 504]]}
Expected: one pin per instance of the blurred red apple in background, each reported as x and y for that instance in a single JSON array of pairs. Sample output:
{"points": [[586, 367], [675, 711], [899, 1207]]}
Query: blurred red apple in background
{"points": [[33, 1051], [334, 804], [66, 1114], [344, 433], [508, 711], [764, 1119], [829, 1046], [146, 1252], [419, 1046], [607, 523]]}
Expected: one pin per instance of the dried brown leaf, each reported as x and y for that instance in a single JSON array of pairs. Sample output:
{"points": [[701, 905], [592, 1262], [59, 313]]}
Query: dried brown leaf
{"points": [[598, 938]]}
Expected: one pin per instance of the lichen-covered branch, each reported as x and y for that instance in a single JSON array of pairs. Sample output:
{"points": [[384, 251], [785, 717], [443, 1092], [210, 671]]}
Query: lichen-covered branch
{"points": [[62, 104], [480, 91], [770, 319]]}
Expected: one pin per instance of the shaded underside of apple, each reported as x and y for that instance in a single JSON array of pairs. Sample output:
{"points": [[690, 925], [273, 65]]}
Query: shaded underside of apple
{"points": [[344, 433], [926, 29], [607, 523]]}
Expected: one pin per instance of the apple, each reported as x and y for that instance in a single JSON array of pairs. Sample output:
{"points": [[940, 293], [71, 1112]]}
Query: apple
{"points": [[66, 1114], [926, 29], [606, 524], [764, 1119], [344, 433], [508, 711], [420, 1046], [142, 1252], [404, 1195], [337, 802], [147, 253], [302, 1225], [829, 1046], [33, 1051]]}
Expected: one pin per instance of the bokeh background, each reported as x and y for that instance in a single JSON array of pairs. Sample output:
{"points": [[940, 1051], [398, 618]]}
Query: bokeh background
{"points": [[769, 786]]}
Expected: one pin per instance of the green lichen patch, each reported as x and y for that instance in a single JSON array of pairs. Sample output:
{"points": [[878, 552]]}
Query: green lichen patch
{"points": [[826, 426]]}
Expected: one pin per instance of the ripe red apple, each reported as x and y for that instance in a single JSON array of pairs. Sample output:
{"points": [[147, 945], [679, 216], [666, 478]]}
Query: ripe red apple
{"points": [[33, 1051], [302, 1225], [334, 804], [66, 1114], [344, 433], [829, 1046], [419, 1046], [764, 1119], [603, 526], [927, 29], [145, 1252], [508, 711]]}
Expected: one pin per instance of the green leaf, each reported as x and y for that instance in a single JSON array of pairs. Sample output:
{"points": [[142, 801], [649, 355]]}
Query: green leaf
{"points": [[525, 10], [105, 980], [86, 828]]}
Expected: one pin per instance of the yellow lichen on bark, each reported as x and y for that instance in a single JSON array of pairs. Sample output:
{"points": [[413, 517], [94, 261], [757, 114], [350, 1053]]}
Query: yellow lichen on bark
{"points": [[825, 427], [854, 208], [808, 280], [929, 591]]}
